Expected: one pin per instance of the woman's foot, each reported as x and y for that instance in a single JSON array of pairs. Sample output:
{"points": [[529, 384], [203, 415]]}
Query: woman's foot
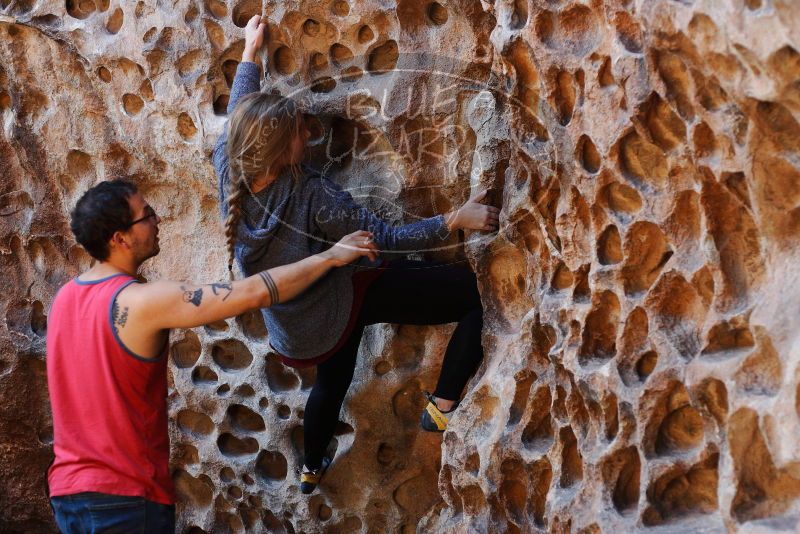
{"points": [[437, 413], [309, 478]]}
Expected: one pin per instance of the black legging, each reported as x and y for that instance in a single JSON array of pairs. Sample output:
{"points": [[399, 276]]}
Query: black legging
{"points": [[407, 292]]}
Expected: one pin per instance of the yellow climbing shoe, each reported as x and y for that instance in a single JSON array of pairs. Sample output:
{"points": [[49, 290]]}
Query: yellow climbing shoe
{"points": [[433, 419], [309, 478]]}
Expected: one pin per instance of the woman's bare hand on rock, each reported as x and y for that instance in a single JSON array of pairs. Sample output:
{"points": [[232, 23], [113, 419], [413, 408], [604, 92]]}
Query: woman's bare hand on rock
{"points": [[474, 215], [253, 37]]}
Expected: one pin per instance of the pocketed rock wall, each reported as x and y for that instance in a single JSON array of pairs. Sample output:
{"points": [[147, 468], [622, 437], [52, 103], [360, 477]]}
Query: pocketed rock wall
{"points": [[641, 298]]}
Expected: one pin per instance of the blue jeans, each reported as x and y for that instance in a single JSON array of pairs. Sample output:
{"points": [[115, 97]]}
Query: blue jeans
{"points": [[101, 513]]}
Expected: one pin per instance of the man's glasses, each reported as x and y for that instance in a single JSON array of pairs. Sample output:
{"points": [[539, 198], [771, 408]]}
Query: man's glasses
{"points": [[150, 214]]}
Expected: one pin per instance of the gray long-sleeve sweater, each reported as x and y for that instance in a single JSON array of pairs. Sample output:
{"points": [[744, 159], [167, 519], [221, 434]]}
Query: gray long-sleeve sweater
{"points": [[292, 219]]}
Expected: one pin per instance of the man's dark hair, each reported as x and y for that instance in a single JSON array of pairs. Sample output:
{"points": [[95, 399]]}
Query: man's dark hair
{"points": [[100, 212]]}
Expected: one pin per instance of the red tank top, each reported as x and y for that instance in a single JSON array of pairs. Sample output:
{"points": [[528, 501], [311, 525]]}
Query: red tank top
{"points": [[109, 405]]}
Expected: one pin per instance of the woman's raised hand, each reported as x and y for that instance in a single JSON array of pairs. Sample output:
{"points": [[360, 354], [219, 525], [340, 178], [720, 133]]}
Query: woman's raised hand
{"points": [[474, 215], [253, 37], [351, 247]]}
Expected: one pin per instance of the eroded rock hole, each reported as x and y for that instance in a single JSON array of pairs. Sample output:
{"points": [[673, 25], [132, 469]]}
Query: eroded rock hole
{"points": [[609, 246], [186, 352], [244, 10], [194, 424], [229, 71], [519, 14], [245, 419], [326, 84], [311, 27], [676, 79], [187, 130], [38, 319], [279, 377], [365, 34], [675, 424], [538, 432], [340, 54], [132, 104], [646, 364], [523, 388], [340, 8], [730, 335], [622, 471], [383, 58], [231, 355], [582, 291], [221, 104], [713, 395], [115, 20], [562, 277], [574, 30], [191, 489], [761, 373], [646, 253], [600, 330], [234, 447], [437, 13], [216, 8], [284, 61], [252, 324], [642, 161], [271, 466], [678, 312], [588, 155], [80, 9], [666, 128], [571, 459], [629, 33], [563, 97], [621, 199], [215, 33], [203, 375], [682, 492], [244, 390]]}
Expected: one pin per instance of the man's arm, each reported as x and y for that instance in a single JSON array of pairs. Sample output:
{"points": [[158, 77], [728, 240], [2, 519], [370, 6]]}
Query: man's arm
{"points": [[161, 305]]}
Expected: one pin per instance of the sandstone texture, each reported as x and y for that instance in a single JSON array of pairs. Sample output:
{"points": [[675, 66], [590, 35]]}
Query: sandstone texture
{"points": [[642, 298]]}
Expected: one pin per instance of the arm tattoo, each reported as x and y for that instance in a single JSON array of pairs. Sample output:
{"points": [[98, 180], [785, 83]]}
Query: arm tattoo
{"points": [[119, 319], [195, 296], [271, 287], [220, 286]]}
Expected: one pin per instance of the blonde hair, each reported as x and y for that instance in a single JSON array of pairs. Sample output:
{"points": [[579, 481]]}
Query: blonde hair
{"points": [[260, 133]]}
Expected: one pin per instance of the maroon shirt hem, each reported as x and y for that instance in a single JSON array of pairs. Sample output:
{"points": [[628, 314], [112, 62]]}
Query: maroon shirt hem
{"points": [[361, 281]]}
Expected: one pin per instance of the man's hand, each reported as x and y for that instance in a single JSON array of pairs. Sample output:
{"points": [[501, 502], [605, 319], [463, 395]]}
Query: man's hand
{"points": [[474, 215], [350, 248], [253, 37]]}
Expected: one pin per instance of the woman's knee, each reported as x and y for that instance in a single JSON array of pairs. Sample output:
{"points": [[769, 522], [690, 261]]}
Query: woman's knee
{"points": [[472, 295], [331, 388]]}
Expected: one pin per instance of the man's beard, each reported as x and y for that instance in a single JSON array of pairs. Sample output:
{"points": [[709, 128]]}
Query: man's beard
{"points": [[148, 253]]}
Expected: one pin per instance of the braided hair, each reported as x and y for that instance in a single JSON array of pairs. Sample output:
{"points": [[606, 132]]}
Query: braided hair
{"points": [[260, 134]]}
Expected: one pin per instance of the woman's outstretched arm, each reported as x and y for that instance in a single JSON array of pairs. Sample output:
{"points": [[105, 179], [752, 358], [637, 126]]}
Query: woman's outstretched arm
{"points": [[337, 214], [248, 75], [246, 81]]}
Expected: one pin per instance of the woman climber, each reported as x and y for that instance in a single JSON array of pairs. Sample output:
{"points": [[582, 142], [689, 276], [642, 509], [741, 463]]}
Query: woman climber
{"points": [[277, 211]]}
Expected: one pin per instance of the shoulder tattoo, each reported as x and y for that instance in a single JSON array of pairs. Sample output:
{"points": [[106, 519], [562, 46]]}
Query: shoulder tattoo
{"points": [[118, 318]]}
